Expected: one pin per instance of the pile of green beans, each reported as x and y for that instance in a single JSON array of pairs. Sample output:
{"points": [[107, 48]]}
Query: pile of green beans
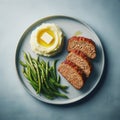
{"points": [[43, 77]]}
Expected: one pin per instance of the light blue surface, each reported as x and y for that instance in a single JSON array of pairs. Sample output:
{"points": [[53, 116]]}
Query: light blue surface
{"points": [[103, 16]]}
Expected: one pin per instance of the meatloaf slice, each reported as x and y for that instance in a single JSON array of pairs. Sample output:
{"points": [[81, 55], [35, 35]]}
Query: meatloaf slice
{"points": [[81, 60], [72, 73], [86, 45]]}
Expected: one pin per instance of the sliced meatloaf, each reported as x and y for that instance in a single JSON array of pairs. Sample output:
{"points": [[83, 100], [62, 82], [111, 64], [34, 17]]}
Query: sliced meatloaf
{"points": [[81, 60], [87, 46], [72, 73]]}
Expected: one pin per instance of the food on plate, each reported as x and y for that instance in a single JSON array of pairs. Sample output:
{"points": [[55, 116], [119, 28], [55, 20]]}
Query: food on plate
{"points": [[72, 73], [43, 77], [86, 45], [81, 60], [47, 39], [77, 66]]}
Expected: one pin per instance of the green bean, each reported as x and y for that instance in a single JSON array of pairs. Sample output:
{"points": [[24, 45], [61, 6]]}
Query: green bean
{"points": [[54, 69], [26, 76], [58, 79], [58, 85], [33, 77], [46, 70], [38, 77], [52, 86], [33, 83], [51, 72], [43, 64], [43, 77], [25, 56], [54, 93], [35, 87], [47, 91], [61, 95], [37, 59], [22, 63], [28, 60], [48, 96]]}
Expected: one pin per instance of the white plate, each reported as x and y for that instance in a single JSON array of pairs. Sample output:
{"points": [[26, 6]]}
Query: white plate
{"points": [[69, 26]]}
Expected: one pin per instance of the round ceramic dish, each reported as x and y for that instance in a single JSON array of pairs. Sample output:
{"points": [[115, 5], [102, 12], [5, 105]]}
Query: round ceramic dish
{"points": [[69, 26]]}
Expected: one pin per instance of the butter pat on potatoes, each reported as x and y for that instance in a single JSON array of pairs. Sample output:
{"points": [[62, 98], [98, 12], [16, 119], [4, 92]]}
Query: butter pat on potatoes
{"points": [[46, 37]]}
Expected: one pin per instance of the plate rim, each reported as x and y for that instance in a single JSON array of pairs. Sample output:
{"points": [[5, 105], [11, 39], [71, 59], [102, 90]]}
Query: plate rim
{"points": [[53, 17]]}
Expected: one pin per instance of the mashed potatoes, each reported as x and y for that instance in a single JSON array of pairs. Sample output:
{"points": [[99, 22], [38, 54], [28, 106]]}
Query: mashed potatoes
{"points": [[47, 39]]}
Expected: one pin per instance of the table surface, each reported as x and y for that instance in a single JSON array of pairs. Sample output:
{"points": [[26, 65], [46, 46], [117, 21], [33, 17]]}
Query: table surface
{"points": [[17, 15]]}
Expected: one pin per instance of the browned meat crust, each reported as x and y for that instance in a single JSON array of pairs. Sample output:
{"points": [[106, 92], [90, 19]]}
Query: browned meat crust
{"points": [[81, 60], [72, 73], [86, 45]]}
